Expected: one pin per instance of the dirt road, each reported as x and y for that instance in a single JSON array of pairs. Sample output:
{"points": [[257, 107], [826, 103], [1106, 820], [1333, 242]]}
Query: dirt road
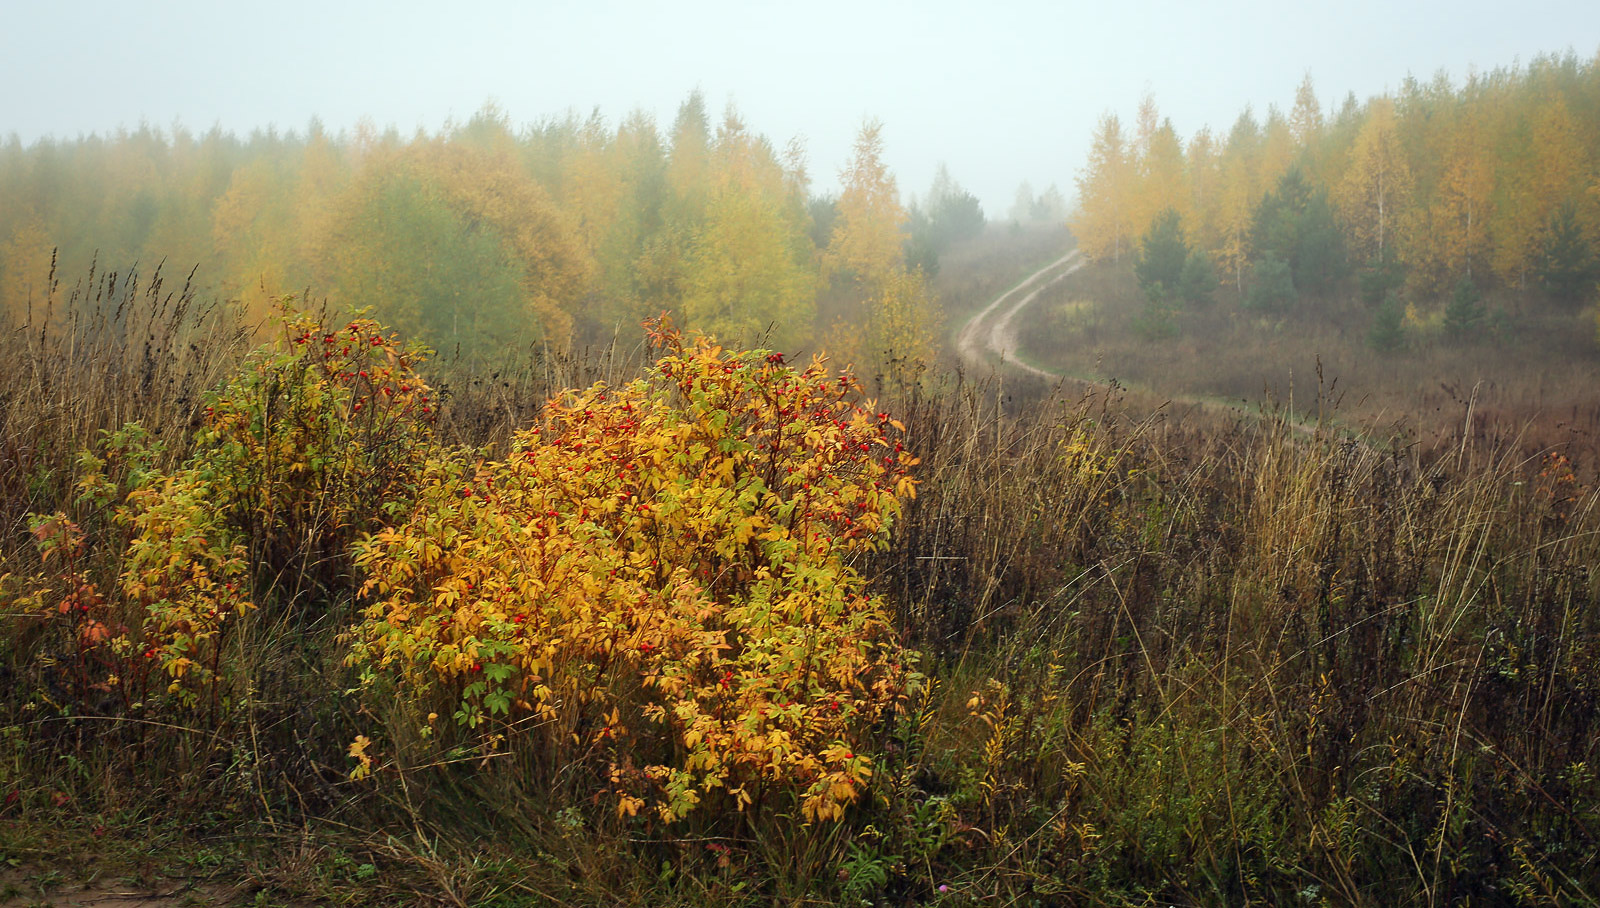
{"points": [[990, 332], [990, 335]]}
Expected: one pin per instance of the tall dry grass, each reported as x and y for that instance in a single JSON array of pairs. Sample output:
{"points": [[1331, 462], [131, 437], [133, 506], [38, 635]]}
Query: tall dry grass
{"points": [[1247, 662], [111, 348]]}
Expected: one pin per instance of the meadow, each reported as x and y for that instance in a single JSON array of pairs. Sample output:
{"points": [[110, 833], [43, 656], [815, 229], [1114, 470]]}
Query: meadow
{"points": [[296, 607], [1523, 382]]}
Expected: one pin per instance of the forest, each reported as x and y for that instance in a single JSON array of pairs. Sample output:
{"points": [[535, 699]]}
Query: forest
{"points": [[479, 236], [1493, 183], [1405, 258], [592, 514]]}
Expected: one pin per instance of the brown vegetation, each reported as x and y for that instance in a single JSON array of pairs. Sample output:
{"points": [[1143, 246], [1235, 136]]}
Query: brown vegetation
{"points": [[1164, 660], [1527, 385]]}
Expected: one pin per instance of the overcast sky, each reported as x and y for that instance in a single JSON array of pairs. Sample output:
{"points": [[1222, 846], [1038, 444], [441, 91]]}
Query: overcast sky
{"points": [[1002, 92]]}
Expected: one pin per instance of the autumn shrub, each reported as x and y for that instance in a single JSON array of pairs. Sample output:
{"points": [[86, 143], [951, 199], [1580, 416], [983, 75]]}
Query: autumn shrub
{"points": [[300, 453], [317, 441], [654, 588]]}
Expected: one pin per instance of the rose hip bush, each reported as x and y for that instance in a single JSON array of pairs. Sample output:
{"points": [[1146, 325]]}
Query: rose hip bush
{"points": [[654, 587], [301, 453]]}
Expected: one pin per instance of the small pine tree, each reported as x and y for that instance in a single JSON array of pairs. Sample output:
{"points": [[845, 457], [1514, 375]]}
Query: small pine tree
{"points": [[1271, 286], [1159, 319], [1163, 251], [1379, 279], [1295, 224], [1568, 266], [1199, 280], [1388, 332], [1463, 317]]}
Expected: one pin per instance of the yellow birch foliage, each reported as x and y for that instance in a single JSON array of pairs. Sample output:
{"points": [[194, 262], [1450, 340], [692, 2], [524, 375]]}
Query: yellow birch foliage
{"points": [[479, 187], [1238, 195], [1142, 208], [250, 232], [1305, 118], [1451, 234], [1164, 181], [866, 241], [1377, 185], [321, 181], [592, 185], [1103, 224], [1545, 166], [1205, 180], [749, 265], [866, 253], [902, 329], [1278, 152]]}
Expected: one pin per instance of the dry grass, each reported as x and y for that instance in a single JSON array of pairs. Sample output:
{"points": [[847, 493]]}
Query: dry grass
{"points": [[1215, 659], [1528, 383]]}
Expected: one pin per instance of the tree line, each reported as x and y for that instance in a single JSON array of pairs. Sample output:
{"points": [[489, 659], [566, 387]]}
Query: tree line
{"points": [[481, 234], [1439, 191]]}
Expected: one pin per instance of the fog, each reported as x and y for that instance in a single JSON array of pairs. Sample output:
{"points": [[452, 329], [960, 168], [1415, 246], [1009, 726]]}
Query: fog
{"points": [[1001, 96]]}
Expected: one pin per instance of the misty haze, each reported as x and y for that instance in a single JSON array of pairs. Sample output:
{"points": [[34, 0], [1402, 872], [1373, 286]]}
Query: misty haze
{"points": [[845, 454]]}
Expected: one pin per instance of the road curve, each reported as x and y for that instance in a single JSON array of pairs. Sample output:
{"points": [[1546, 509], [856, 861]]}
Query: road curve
{"points": [[989, 333]]}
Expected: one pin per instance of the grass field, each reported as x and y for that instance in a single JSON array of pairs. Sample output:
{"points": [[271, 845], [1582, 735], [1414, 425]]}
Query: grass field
{"points": [[1209, 661], [1526, 380]]}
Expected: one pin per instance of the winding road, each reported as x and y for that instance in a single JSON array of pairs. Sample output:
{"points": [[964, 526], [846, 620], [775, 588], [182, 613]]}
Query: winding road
{"points": [[990, 334]]}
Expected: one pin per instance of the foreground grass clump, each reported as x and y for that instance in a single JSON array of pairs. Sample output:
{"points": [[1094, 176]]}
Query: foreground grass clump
{"points": [[652, 586]]}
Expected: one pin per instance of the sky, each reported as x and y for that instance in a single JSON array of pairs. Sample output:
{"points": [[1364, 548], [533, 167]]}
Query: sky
{"points": [[1000, 92]]}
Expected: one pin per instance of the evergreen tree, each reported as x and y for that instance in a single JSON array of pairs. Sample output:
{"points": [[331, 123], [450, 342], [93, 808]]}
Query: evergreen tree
{"points": [[1022, 204], [948, 215], [1388, 332], [824, 213], [1568, 267], [1049, 207], [1379, 279], [1295, 224], [1199, 280], [1463, 317], [1159, 317], [1271, 286], [1162, 253]]}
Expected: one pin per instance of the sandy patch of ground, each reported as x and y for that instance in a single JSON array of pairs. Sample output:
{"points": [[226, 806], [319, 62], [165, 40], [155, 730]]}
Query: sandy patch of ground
{"points": [[37, 888]]}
